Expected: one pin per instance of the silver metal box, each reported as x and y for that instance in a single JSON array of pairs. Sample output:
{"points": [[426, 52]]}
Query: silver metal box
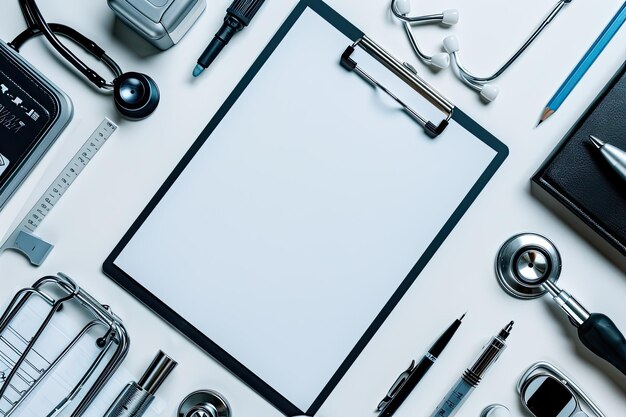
{"points": [[163, 23]]}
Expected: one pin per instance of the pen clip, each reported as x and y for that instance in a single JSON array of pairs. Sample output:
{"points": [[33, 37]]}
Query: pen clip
{"points": [[396, 386]]}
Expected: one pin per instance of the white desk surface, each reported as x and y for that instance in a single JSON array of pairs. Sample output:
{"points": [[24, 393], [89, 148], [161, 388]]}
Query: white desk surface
{"points": [[117, 185]]}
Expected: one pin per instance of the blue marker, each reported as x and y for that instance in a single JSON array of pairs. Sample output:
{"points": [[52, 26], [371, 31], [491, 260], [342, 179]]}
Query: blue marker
{"points": [[473, 375], [586, 63]]}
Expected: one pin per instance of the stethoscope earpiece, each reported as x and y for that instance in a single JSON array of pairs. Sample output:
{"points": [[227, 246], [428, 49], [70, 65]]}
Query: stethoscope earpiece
{"points": [[401, 9], [482, 85], [450, 17], [136, 95]]}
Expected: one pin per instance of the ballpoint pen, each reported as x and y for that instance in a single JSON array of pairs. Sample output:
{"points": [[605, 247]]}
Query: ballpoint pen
{"points": [[585, 63], [473, 375], [613, 155], [409, 379]]}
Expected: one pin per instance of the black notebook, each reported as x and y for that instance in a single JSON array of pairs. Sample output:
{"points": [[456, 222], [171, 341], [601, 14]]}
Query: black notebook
{"points": [[577, 178]]}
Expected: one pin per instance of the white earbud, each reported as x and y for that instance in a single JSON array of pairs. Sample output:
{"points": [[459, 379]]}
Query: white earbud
{"points": [[403, 6], [440, 60], [489, 92], [451, 44], [450, 17]]}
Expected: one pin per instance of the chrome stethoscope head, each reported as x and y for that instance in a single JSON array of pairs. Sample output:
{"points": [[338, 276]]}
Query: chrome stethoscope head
{"points": [[528, 265], [401, 10]]}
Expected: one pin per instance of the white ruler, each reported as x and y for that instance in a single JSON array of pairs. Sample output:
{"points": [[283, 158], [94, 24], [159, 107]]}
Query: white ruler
{"points": [[23, 239]]}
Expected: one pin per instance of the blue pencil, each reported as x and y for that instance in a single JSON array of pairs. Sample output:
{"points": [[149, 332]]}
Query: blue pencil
{"points": [[583, 66]]}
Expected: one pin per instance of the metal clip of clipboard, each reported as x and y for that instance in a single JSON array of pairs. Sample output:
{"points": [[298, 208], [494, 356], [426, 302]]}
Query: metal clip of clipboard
{"points": [[406, 74], [28, 368]]}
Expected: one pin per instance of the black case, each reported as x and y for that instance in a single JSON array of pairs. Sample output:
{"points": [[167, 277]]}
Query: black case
{"points": [[576, 178]]}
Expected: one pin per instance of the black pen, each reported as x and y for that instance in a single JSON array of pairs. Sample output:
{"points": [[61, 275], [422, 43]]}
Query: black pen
{"points": [[238, 16], [409, 379]]}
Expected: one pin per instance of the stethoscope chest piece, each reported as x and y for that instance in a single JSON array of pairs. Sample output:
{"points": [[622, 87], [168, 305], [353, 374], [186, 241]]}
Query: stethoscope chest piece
{"points": [[204, 403], [525, 262]]}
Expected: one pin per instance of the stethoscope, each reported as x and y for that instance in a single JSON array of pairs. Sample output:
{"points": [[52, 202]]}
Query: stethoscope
{"points": [[401, 9], [483, 85], [135, 95], [528, 266]]}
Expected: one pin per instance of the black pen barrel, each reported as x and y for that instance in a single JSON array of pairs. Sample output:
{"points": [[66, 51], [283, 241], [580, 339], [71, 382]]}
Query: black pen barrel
{"points": [[445, 338], [238, 16], [420, 370], [416, 376], [219, 41]]}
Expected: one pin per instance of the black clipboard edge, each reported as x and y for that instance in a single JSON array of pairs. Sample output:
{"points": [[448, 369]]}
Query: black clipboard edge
{"points": [[193, 334]]}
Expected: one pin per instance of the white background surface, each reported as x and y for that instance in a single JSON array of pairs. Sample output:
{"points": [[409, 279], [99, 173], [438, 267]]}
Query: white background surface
{"points": [[110, 193]]}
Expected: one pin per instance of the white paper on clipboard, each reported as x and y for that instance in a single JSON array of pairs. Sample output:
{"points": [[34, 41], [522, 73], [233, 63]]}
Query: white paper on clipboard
{"points": [[297, 220]]}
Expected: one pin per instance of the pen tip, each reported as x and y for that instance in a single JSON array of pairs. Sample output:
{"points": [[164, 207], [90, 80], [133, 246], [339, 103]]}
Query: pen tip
{"points": [[197, 70], [463, 316], [597, 142]]}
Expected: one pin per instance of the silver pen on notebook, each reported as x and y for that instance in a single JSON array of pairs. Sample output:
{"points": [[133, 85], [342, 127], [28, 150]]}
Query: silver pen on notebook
{"points": [[615, 157]]}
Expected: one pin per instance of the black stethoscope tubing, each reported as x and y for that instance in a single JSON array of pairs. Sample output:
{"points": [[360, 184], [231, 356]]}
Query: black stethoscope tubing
{"points": [[37, 26]]}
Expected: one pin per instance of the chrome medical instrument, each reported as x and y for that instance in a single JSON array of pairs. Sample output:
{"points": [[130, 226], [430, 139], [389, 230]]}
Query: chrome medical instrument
{"points": [[546, 391], [488, 91], [23, 239], [204, 403], [401, 10], [22, 376], [136, 397], [614, 156], [495, 410], [528, 266], [408, 75]]}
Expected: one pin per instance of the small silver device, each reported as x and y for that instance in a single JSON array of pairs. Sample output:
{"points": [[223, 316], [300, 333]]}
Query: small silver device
{"points": [[545, 391], [163, 23]]}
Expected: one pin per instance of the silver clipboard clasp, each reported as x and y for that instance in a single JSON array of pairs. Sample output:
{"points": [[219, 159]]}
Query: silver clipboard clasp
{"points": [[408, 76]]}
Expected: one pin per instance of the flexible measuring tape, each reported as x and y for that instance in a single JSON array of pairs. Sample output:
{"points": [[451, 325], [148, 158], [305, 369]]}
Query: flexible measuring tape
{"points": [[23, 239]]}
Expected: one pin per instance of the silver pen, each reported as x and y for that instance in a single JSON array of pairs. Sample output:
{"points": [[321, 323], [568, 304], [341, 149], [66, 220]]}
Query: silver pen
{"points": [[613, 155]]}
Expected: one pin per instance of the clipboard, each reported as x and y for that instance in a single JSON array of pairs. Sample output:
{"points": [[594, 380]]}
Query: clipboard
{"points": [[305, 209]]}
